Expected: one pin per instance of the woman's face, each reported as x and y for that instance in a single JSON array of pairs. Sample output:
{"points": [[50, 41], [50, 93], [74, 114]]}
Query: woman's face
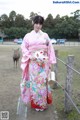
{"points": [[37, 27]]}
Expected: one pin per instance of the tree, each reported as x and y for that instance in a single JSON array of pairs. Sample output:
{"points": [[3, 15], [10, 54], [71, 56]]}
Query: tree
{"points": [[15, 32], [20, 21], [57, 17], [12, 16], [4, 21], [32, 15], [59, 27], [28, 24], [76, 14], [49, 23], [79, 34], [4, 17]]}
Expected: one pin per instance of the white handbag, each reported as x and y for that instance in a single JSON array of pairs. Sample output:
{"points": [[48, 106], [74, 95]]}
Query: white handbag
{"points": [[52, 76]]}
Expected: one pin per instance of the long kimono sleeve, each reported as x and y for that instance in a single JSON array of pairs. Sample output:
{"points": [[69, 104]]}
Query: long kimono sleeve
{"points": [[51, 52], [25, 57]]}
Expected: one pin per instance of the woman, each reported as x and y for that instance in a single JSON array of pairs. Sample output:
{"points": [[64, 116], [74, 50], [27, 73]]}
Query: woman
{"points": [[37, 57]]}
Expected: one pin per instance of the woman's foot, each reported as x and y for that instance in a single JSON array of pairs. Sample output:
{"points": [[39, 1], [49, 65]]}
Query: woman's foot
{"points": [[41, 109], [37, 109]]}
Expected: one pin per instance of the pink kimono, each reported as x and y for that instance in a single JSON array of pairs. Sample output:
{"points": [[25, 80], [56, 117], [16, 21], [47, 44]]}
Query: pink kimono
{"points": [[37, 56]]}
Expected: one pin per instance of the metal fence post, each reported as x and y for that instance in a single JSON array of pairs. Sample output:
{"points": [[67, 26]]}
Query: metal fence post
{"points": [[68, 83]]}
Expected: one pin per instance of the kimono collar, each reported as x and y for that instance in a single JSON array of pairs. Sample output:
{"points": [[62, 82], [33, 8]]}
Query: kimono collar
{"points": [[37, 33]]}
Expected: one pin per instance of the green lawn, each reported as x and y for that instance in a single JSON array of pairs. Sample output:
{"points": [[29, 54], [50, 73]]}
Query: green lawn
{"points": [[58, 94]]}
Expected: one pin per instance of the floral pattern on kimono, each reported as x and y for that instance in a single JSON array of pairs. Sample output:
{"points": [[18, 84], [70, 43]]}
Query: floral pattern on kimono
{"points": [[33, 85]]}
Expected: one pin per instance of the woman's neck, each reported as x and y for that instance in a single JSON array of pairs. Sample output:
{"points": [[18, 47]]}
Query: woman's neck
{"points": [[36, 31]]}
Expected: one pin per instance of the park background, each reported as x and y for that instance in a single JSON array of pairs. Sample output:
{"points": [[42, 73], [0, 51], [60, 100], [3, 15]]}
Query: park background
{"points": [[15, 25]]}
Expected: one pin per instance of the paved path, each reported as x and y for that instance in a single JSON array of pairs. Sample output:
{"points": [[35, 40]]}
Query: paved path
{"points": [[32, 114], [49, 114]]}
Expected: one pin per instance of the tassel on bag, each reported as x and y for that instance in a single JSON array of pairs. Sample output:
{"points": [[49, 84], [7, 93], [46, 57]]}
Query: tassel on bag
{"points": [[21, 108]]}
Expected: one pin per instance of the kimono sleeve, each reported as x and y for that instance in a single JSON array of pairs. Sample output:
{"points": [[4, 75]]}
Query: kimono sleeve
{"points": [[51, 52], [25, 47], [25, 52]]}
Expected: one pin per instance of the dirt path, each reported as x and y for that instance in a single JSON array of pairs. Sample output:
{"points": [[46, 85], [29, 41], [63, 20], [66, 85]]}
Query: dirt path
{"points": [[9, 88]]}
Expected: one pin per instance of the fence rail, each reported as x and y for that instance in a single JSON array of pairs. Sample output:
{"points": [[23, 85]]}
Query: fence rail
{"points": [[68, 81], [69, 44], [69, 66], [68, 97]]}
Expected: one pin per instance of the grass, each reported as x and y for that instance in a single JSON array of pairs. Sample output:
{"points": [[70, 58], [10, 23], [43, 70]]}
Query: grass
{"points": [[58, 94], [9, 81]]}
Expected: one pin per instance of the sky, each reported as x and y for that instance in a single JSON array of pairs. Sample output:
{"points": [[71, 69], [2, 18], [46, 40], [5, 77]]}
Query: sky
{"points": [[42, 7]]}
